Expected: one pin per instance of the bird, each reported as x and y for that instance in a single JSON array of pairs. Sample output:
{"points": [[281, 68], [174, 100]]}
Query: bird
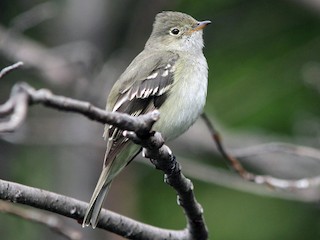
{"points": [[170, 75]]}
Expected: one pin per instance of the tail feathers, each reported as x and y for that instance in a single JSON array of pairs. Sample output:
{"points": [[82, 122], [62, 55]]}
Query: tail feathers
{"points": [[93, 211], [113, 164], [99, 193]]}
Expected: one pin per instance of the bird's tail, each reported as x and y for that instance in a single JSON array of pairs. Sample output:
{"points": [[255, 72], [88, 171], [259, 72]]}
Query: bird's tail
{"points": [[92, 214], [116, 162]]}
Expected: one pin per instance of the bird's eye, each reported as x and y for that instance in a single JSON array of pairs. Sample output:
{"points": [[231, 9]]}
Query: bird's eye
{"points": [[175, 31]]}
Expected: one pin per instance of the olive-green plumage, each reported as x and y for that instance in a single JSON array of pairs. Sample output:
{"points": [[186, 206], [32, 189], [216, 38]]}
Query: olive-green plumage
{"points": [[170, 75]]}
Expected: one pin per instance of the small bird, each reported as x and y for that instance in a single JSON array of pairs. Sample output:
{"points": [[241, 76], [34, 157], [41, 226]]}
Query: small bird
{"points": [[170, 75]]}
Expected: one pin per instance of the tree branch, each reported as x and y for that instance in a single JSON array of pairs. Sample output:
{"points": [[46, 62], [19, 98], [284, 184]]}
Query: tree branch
{"points": [[161, 156], [75, 209], [23, 95], [273, 182]]}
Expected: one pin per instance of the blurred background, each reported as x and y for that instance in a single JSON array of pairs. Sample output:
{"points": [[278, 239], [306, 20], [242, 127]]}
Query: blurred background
{"points": [[264, 86]]}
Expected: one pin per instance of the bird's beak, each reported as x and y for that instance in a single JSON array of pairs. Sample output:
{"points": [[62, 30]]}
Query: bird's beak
{"points": [[201, 25]]}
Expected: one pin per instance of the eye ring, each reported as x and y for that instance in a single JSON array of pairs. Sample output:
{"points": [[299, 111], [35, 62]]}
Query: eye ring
{"points": [[174, 31]]}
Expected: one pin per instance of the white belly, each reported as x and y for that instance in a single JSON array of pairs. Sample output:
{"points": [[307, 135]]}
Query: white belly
{"points": [[184, 106]]}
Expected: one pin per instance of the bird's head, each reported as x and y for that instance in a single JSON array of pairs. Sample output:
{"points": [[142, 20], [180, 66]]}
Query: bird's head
{"points": [[176, 31]]}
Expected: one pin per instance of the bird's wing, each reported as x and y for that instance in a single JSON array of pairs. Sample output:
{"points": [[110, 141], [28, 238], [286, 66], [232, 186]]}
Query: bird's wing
{"points": [[146, 92]]}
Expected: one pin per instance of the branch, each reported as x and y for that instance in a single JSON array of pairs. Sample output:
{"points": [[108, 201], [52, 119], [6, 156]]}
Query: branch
{"points": [[161, 156], [8, 69], [75, 209], [273, 182], [23, 95], [50, 221]]}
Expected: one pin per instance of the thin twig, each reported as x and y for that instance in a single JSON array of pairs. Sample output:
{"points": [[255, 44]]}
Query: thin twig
{"points": [[235, 163], [34, 215], [8, 69], [273, 182]]}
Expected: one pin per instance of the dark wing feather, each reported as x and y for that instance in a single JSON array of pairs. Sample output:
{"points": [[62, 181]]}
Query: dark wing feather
{"points": [[155, 84], [143, 96]]}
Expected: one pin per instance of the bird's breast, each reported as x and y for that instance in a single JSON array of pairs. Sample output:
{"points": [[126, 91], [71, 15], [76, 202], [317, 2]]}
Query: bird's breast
{"points": [[186, 99]]}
